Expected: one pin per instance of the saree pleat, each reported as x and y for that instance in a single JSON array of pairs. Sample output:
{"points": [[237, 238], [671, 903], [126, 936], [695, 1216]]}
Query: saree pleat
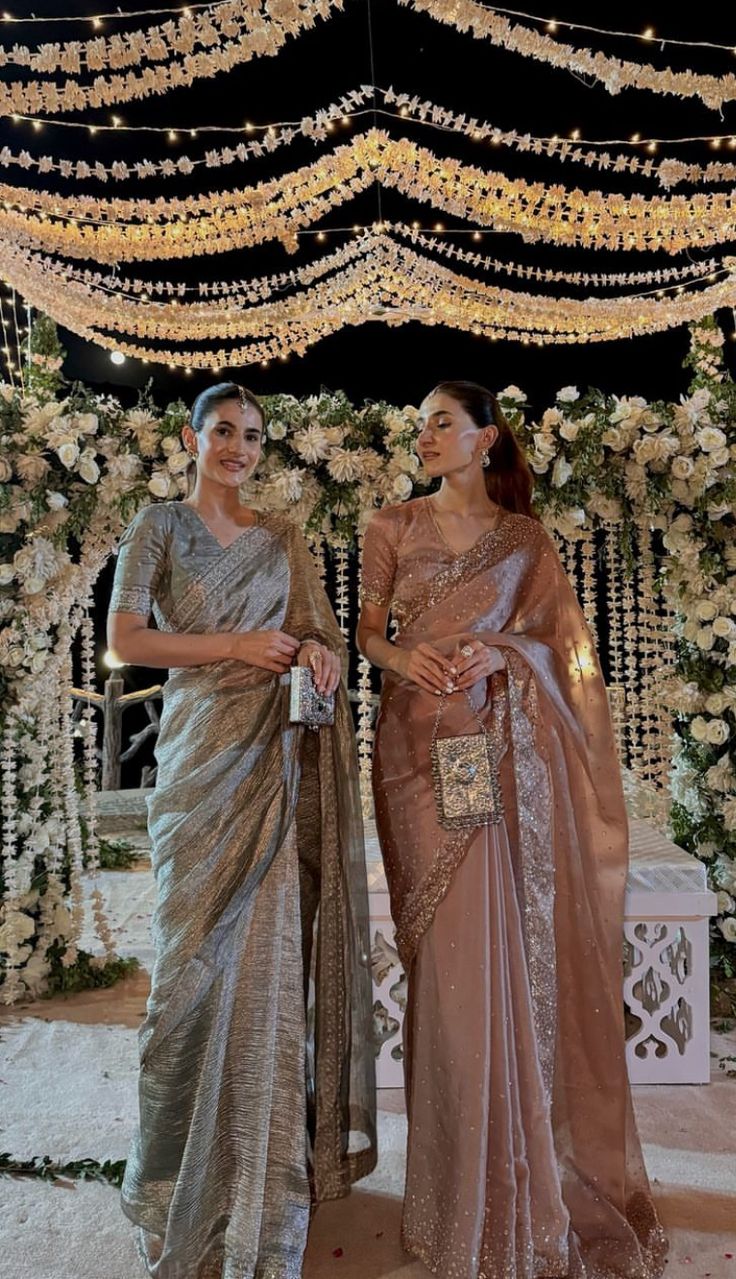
{"points": [[242, 1121], [523, 1159]]}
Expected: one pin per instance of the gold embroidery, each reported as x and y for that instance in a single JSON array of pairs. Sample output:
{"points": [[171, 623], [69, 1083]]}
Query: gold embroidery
{"points": [[494, 544], [534, 807]]}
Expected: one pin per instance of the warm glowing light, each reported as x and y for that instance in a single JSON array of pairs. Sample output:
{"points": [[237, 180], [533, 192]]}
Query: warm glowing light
{"points": [[117, 357], [112, 662]]}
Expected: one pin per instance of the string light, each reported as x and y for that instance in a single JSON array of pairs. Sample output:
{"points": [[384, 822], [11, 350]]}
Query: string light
{"points": [[235, 43], [648, 34], [100, 228], [386, 280]]}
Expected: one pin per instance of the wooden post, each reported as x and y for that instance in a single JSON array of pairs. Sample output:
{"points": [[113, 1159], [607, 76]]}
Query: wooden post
{"points": [[113, 732]]}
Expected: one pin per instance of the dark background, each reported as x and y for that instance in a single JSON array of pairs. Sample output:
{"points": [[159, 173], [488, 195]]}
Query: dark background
{"points": [[416, 54]]}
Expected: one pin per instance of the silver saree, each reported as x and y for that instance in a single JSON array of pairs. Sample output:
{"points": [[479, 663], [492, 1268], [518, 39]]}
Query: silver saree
{"points": [[257, 1081]]}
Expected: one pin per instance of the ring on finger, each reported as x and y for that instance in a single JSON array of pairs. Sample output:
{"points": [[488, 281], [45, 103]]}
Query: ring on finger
{"points": [[467, 650]]}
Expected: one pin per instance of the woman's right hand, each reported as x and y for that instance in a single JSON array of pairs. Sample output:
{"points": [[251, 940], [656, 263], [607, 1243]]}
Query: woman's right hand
{"points": [[427, 668], [270, 650]]}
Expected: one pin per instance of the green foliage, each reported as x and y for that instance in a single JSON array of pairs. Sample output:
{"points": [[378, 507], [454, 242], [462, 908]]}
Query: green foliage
{"points": [[84, 973], [45, 1168]]}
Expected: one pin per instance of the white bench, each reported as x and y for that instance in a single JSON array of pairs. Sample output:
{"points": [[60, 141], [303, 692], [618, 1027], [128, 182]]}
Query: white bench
{"points": [[666, 965]]}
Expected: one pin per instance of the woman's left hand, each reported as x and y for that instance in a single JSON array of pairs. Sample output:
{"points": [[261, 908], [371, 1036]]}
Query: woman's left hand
{"points": [[325, 665], [478, 664]]}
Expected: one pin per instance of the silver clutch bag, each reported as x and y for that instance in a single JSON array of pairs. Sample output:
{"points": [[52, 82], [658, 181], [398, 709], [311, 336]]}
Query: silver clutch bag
{"points": [[306, 705], [467, 785]]}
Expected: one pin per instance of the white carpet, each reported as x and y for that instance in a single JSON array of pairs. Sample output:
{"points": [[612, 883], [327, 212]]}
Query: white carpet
{"points": [[69, 1091]]}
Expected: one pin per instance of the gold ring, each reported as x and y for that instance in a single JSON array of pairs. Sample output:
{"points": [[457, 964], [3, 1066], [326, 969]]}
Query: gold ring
{"points": [[467, 650], [314, 657]]}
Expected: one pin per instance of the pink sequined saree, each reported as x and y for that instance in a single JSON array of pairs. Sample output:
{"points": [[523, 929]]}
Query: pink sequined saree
{"points": [[523, 1156]]}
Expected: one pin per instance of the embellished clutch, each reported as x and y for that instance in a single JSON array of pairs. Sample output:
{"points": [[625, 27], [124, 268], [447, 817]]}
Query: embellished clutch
{"points": [[306, 705], [467, 785]]}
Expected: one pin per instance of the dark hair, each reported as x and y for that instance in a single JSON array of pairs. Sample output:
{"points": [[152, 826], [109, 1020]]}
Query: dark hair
{"points": [[508, 479], [207, 400], [218, 394]]}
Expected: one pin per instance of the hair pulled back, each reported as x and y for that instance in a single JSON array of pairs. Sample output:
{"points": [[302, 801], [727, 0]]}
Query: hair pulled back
{"points": [[509, 481]]}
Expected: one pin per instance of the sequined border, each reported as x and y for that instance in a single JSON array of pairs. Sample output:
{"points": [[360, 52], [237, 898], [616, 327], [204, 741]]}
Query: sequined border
{"points": [[462, 570], [534, 809], [131, 599]]}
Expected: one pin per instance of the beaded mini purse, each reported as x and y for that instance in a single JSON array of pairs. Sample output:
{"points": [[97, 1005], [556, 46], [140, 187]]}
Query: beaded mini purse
{"points": [[306, 705], [467, 785]]}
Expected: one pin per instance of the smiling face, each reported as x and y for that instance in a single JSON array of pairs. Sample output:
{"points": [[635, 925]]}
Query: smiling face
{"points": [[228, 445], [449, 439]]}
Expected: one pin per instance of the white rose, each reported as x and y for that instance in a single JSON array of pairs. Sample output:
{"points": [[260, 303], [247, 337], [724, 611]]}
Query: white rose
{"points": [[158, 485], [56, 501], [568, 395], [699, 728], [15, 655], [645, 451], [551, 418], [7, 573], [711, 438], [614, 439], [725, 903], [67, 453], [720, 457], [682, 468], [34, 584], [705, 638], [706, 611], [728, 928], [276, 430], [718, 732], [716, 703], [38, 661], [570, 430], [561, 472], [510, 393], [178, 462], [402, 487], [724, 627], [170, 444], [88, 468]]}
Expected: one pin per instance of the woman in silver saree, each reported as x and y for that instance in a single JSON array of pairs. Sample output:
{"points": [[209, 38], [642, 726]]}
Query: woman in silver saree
{"points": [[523, 1156], [254, 1099]]}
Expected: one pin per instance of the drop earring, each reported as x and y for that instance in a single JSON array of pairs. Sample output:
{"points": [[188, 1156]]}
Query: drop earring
{"points": [[485, 458]]}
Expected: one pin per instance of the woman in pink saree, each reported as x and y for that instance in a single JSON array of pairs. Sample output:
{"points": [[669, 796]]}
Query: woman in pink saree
{"points": [[523, 1157]]}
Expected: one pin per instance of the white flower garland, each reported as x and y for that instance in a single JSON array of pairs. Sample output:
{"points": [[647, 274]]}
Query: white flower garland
{"points": [[245, 35], [613, 74]]}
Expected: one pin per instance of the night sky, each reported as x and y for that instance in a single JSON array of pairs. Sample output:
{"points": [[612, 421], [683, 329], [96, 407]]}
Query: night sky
{"points": [[414, 54]]}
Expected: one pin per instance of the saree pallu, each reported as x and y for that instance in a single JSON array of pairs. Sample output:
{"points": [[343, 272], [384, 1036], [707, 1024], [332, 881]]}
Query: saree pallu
{"points": [[523, 1158], [256, 1084]]}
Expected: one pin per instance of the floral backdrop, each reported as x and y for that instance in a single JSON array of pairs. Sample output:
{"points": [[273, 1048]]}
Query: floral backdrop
{"points": [[645, 492]]}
